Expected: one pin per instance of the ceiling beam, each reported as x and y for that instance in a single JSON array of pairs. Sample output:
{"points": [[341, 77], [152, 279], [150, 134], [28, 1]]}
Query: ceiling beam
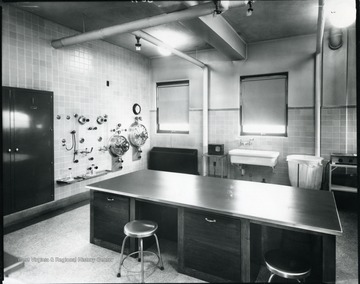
{"points": [[216, 31], [190, 13]]}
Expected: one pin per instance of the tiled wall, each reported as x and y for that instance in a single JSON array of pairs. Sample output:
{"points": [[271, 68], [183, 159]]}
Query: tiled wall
{"points": [[77, 76], [224, 128], [338, 132]]}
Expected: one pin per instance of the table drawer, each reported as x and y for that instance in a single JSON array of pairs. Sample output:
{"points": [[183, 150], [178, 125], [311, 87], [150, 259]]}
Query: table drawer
{"points": [[111, 213], [212, 244]]}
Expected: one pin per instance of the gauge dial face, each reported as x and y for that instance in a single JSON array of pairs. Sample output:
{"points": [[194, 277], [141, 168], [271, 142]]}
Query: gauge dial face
{"points": [[136, 109], [138, 134], [118, 145]]}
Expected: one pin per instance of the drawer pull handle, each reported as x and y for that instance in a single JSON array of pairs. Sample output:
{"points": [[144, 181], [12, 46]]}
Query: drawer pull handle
{"points": [[210, 220], [110, 199]]}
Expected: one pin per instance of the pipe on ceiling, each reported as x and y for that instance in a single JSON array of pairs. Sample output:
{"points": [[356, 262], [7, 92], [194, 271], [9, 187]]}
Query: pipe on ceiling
{"points": [[335, 38], [318, 67], [158, 42], [190, 13], [206, 72], [320, 27]]}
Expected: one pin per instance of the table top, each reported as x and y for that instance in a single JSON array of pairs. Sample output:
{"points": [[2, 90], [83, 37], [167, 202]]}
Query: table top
{"points": [[311, 210]]}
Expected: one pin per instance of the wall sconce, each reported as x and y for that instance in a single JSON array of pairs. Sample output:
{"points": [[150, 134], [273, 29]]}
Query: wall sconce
{"points": [[137, 44], [250, 9]]}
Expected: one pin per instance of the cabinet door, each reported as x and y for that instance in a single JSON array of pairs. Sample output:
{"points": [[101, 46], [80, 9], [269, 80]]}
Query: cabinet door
{"points": [[111, 213], [8, 201], [33, 182], [212, 244]]}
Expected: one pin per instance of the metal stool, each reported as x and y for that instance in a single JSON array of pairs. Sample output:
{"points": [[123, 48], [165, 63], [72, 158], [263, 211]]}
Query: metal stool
{"points": [[286, 265], [140, 229]]}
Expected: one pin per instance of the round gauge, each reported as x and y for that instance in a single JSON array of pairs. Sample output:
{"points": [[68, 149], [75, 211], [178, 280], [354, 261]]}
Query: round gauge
{"points": [[136, 109], [138, 134], [118, 145]]}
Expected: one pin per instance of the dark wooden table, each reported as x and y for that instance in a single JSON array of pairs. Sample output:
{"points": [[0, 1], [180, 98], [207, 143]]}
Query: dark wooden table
{"points": [[285, 207]]}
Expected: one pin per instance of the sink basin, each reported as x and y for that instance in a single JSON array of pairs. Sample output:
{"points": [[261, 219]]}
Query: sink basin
{"points": [[254, 157]]}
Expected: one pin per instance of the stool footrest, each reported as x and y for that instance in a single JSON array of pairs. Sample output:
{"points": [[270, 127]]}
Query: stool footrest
{"points": [[137, 252]]}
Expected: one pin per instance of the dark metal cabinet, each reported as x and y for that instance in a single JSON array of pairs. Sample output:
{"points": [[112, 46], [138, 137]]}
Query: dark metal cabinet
{"points": [[212, 244], [109, 215], [28, 148]]}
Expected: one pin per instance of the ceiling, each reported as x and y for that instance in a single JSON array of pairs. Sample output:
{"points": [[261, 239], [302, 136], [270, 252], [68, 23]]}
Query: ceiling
{"points": [[270, 20]]}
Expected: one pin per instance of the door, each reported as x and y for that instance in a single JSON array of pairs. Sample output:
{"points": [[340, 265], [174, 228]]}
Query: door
{"points": [[33, 146], [7, 173], [28, 149]]}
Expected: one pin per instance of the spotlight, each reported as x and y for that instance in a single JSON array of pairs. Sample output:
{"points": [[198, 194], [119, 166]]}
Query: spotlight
{"points": [[217, 10], [137, 44], [250, 9]]}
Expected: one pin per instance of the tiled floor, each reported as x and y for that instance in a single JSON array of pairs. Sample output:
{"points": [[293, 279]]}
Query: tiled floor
{"points": [[58, 250]]}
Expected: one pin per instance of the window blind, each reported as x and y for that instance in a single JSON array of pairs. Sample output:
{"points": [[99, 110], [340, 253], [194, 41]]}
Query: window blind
{"points": [[264, 104], [173, 107]]}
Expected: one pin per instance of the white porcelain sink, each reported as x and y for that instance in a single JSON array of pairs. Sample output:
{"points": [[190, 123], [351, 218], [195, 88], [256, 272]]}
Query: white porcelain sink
{"points": [[254, 157]]}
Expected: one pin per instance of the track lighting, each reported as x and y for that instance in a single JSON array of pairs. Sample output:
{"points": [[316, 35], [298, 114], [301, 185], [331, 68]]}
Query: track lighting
{"points": [[137, 44], [250, 9]]}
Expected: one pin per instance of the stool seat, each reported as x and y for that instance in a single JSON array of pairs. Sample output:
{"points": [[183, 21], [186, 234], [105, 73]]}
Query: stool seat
{"points": [[286, 264], [140, 228]]}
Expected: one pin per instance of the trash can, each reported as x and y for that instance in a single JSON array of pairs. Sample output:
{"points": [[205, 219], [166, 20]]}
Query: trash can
{"points": [[305, 171]]}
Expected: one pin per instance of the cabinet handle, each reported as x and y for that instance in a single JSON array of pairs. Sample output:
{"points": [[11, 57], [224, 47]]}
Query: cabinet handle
{"points": [[9, 150], [210, 220], [16, 149], [110, 199]]}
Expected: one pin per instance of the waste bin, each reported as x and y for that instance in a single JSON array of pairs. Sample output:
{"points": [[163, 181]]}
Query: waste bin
{"points": [[305, 171]]}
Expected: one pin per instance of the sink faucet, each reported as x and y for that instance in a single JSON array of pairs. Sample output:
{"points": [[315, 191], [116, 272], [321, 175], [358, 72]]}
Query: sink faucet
{"points": [[246, 142]]}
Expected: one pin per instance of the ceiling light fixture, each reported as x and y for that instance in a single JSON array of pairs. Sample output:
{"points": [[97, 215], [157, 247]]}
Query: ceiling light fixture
{"points": [[250, 9], [137, 44], [342, 15], [217, 10]]}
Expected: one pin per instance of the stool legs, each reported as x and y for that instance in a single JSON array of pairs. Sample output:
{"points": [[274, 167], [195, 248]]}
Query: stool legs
{"points": [[140, 256], [142, 259], [121, 255], [271, 277], [158, 248]]}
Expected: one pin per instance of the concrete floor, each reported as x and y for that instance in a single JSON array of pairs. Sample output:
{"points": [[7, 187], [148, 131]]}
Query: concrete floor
{"points": [[57, 250]]}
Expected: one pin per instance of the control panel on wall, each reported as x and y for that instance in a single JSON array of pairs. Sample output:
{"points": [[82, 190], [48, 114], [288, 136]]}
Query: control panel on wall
{"points": [[84, 145]]}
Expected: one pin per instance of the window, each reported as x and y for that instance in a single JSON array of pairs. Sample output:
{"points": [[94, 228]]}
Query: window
{"points": [[172, 107], [263, 104]]}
